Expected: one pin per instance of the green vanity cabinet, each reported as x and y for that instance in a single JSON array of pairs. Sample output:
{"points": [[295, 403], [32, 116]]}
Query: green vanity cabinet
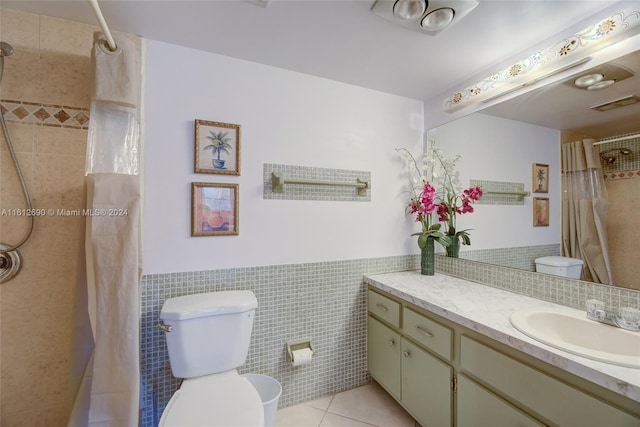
{"points": [[446, 375]]}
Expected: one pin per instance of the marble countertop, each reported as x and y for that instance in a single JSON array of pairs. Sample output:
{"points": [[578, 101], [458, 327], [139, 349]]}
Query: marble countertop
{"points": [[486, 310]]}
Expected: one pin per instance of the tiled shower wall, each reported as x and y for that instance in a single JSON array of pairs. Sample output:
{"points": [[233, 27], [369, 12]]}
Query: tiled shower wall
{"points": [[45, 94], [622, 180], [324, 302]]}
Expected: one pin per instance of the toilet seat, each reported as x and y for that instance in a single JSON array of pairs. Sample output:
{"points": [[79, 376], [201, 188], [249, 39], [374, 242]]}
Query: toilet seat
{"points": [[225, 399]]}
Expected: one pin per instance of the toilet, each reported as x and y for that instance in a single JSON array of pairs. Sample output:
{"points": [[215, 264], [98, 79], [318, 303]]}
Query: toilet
{"points": [[208, 337], [560, 266]]}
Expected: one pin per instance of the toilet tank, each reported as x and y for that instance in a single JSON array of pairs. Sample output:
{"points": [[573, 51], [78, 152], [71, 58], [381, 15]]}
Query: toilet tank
{"points": [[210, 332], [560, 266]]}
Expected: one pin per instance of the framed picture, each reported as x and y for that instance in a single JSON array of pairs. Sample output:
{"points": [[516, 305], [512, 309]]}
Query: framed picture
{"points": [[540, 211], [214, 209], [540, 178], [217, 148]]}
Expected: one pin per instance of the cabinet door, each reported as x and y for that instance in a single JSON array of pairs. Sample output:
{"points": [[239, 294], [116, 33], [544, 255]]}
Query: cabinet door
{"points": [[426, 386], [476, 406], [383, 356]]}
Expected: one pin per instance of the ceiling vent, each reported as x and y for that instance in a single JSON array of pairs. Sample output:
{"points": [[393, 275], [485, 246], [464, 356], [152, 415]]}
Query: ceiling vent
{"points": [[617, 103]]}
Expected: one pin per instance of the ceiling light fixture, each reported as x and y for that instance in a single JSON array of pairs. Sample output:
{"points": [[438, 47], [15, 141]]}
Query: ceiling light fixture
{"points": [[588, 80], [424, 16], [409, 10], [437, 20], [601, 85]]}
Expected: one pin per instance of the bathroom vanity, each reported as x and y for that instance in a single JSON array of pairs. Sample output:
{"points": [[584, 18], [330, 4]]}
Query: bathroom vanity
{"points": [[444, 348]]}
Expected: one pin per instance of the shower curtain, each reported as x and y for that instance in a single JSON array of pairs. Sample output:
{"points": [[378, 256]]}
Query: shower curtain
{"points": [[109, 392], [584, 210]]}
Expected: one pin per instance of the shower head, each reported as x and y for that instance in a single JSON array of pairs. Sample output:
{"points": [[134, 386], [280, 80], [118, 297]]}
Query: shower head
{"points": [[609, 156], [5, 50]]}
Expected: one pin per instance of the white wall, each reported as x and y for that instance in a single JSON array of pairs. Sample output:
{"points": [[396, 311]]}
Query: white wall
{"points": [[287, 118], [496, 149]]}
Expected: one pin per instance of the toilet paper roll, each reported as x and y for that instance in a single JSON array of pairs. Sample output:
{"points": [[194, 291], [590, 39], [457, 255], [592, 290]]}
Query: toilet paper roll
{"points": [[302, 356]]}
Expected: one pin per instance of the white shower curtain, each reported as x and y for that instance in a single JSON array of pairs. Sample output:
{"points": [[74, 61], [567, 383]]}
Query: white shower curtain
{"points": [[584, 210], [109, 393]]}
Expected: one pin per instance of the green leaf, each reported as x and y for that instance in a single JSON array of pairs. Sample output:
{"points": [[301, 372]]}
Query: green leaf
{"points": [[422, 241]]}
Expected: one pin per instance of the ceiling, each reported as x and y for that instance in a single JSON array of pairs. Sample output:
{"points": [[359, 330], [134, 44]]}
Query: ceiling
{"points": [[339, 40]]}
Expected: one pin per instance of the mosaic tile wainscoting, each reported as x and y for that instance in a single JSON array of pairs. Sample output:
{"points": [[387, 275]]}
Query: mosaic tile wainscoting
{"points": [[323, 301]]}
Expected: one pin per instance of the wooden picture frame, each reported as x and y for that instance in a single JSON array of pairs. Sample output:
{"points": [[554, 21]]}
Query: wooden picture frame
{"points": [[540, 211], [217, 148], [540, 178], [214, 209]]}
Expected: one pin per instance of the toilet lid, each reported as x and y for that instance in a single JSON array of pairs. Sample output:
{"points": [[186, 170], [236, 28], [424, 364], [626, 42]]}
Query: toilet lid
{"points": [[224, 400]]}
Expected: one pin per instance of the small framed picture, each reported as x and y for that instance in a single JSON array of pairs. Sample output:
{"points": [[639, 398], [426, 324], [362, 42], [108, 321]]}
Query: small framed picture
{"points": [[540, 211], [540, 178], [214, 209], [217, 148]]}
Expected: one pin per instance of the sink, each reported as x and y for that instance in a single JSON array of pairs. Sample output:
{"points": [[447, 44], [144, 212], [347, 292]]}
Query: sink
{"points": [[569, 330]]}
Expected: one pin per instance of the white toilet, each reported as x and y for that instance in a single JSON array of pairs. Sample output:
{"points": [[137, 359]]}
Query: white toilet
{"points": [[208, 338], [560, 266]]}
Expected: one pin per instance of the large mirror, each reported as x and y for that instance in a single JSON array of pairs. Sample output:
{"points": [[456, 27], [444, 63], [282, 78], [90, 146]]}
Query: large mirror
{"points": [[502, 142]]}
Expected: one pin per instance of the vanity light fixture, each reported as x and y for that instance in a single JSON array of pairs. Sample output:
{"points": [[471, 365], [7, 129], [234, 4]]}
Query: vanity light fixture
{"points": [[523, 73], [424, 16]]}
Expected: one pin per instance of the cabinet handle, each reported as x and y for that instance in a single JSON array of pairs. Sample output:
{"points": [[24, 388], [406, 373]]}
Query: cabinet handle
{"points": [[382, 307], [406, 353], [392, 342], [424, 332]]}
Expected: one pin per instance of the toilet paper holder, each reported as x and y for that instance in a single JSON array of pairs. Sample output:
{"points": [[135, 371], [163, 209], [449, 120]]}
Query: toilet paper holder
{"points": [[298, 345]]}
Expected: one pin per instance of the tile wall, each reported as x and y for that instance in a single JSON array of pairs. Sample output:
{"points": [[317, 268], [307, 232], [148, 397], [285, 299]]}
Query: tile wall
{"points": [[324, 302], [315, 192], [44, 96]]}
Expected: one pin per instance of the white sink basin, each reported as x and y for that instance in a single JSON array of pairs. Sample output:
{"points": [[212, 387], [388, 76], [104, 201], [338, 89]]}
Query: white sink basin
{"points": [[569, 330]]}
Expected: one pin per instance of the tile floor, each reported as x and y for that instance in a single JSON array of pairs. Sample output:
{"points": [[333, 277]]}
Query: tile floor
{"points": [[364, 406]]}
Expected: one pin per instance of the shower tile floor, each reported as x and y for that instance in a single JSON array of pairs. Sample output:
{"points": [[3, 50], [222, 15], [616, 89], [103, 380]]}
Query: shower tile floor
{"points": [[365, 406]]}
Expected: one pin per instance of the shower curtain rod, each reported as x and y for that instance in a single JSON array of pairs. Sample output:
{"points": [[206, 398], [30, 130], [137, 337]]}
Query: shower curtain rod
{"points": [[622, 138], [103, 25]]}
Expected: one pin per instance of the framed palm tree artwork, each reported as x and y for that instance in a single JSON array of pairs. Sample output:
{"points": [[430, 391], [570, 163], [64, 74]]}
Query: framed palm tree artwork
{"points": [[217, 148]]}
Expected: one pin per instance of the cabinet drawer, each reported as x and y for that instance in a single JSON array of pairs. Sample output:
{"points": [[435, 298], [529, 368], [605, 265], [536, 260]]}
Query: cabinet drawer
{"points": [[539, 392], [385, 308], [430, 334]]}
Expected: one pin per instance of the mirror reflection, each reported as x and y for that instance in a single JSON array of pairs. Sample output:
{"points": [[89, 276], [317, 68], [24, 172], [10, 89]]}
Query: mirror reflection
{"points": [[597, 107]]}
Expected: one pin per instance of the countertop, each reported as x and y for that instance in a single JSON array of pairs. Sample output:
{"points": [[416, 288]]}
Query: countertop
{"points": [[486, 310]]}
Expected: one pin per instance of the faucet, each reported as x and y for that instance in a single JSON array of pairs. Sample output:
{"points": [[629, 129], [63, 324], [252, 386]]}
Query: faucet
{"points": [[629, 318]]}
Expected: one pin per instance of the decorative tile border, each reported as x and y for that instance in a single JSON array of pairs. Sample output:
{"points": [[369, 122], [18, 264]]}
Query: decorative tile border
{"points": [[45, 114], [315, 192], [622, 175]]}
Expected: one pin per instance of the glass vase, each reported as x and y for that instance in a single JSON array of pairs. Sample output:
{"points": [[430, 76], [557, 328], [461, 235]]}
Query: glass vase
{"points": [[427, 258], [453, 250]]}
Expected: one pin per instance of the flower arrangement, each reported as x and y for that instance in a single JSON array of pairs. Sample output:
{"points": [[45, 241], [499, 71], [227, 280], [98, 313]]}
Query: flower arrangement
{"points": [[440, 190]]}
